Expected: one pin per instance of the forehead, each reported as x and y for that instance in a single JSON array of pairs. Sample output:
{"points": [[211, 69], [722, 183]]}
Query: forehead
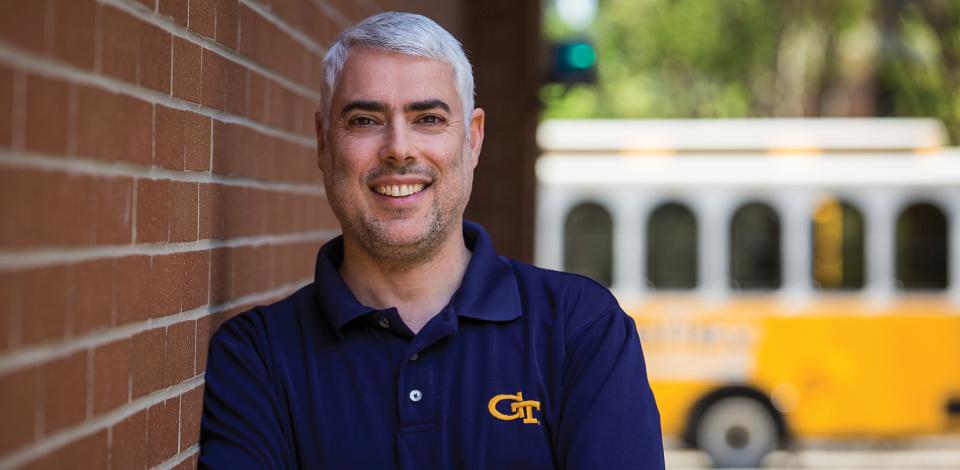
{"points": [[395, 79]]}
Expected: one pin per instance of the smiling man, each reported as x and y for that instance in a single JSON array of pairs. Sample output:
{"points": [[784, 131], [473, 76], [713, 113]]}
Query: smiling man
{"points": [[417, 346]]}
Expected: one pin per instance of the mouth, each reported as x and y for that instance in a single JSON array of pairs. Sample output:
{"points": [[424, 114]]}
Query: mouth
{"points": [[399, 190]]}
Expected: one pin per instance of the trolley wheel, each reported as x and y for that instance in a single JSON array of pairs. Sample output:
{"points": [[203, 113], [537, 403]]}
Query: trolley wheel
{"points": [[737, 431]]}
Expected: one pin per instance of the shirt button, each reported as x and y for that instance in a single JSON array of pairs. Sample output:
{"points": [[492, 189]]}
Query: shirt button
{"points": [[415, 395], [384, 322], [415, 356]]}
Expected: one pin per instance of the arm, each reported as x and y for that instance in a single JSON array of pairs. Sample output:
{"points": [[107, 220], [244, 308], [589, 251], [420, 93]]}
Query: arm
{"points": [[608, 418], [241, 425]]}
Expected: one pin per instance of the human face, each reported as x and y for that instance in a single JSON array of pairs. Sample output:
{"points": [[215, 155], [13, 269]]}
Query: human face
{"points": [[396, 161]]}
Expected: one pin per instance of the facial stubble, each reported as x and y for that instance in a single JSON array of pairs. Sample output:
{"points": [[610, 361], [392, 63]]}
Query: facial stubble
{"points": [[373, 234]]}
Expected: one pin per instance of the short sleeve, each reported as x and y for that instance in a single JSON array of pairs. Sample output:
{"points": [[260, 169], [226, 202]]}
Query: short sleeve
{"points": [[608, 417], [240, 427]]}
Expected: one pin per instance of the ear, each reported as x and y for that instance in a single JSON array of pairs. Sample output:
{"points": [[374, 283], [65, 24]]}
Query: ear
{"points": [[476, 134], [321, 138]]}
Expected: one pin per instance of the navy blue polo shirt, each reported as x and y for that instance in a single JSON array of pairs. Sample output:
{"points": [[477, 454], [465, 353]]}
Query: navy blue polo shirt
{"points": [[524, 368]]}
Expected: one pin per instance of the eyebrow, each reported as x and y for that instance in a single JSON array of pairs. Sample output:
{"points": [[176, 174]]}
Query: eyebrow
{"points": [[380, 107], [427, 105], [374, 106]]}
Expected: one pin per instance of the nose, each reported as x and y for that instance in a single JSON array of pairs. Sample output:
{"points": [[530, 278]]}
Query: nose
{"points": [[396, 146]]}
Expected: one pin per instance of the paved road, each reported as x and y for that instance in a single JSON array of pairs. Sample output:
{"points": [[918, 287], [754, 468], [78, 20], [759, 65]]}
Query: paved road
{"points": [[927, 453]]}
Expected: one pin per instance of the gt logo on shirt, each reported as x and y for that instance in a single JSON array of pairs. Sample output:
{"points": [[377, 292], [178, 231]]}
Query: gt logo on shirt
{"points": [[521, 408]]}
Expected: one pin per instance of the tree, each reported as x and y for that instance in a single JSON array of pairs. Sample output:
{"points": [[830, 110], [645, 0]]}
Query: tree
{"points": [[758, 58]]}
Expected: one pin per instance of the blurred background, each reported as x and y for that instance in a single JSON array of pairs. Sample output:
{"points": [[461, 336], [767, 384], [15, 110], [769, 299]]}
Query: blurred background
{"points": [[771, 189]]}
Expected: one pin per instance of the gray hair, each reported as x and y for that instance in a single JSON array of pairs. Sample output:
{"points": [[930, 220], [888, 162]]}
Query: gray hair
{"points": [[400, 33]]}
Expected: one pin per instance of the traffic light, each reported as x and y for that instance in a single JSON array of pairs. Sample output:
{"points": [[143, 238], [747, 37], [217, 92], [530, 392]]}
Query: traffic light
{"points": [[573, 62]]}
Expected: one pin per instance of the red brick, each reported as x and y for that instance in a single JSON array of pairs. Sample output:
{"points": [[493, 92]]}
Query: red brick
{"points": [[182, 140], [322, 28], [222, 262], [257, 103], [181, 357], [246, 217], [9, 310], [22, 24], [186, 70], [292, 12], [162, 431], [113, 207], [175, 9], [295, 262], [154, 210], [254, 34], [44, 304], [212, 79], [184, 211], [235, 88], [211, 215], [46, 127], [206, 326], [128, 448], [191, 408], [148, 361], [6, 106], [166, 211], [353, 10], [228, 22], [92, 294], [196, 131], [111, 375], [260, 40], [131, 282], [151, 4], [64, 392], [249, 274], [114, 127], [195, 279], [232, 211], [164, 288], [73, 34], [46, 208], [89, 451], [282, 102], [228, 150], [18, 408], [119, 44], [203, 14], [314, 72], [154, 58]]}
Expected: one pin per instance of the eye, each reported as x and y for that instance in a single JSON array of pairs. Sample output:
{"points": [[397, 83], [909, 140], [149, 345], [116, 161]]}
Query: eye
{"points": [[362, 121], [431, 120]]}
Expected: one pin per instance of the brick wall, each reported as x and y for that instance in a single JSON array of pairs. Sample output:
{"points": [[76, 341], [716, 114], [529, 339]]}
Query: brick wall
{"points": [[157, 175]]}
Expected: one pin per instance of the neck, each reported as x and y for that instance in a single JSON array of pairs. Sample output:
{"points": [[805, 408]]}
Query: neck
{"points": [[417, 291]]}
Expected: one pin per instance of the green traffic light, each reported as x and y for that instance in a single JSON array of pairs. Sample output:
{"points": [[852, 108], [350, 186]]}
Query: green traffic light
{"points": [[581, 56]]}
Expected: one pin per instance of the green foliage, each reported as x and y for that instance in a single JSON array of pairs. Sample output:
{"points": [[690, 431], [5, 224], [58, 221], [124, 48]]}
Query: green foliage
{"points": [[759, 58]]}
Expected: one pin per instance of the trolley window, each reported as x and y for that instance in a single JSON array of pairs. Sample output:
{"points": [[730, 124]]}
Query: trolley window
{"points": [[922, 248], [755, 248], [838, 248], [672, 248], [588, 242]]}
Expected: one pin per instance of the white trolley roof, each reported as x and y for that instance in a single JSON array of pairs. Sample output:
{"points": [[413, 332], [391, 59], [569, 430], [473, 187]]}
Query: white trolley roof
{"points": [[747, 152]]}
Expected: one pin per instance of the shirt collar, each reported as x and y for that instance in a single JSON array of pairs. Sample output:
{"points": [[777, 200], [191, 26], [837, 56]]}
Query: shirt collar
{"points": [[488, 291]]}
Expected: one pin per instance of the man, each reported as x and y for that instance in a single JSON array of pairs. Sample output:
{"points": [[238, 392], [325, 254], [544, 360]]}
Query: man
{"points": [[417, 346]]}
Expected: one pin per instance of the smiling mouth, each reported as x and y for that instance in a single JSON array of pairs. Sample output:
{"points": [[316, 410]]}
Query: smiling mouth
{"points": [[399, 190]]}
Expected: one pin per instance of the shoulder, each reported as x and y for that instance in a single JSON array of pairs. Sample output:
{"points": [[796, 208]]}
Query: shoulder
{"points": [[258, 327], [575, 299]]}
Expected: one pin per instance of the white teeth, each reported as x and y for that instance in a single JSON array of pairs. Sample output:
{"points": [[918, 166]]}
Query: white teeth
{"points": [[400, 190]]}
